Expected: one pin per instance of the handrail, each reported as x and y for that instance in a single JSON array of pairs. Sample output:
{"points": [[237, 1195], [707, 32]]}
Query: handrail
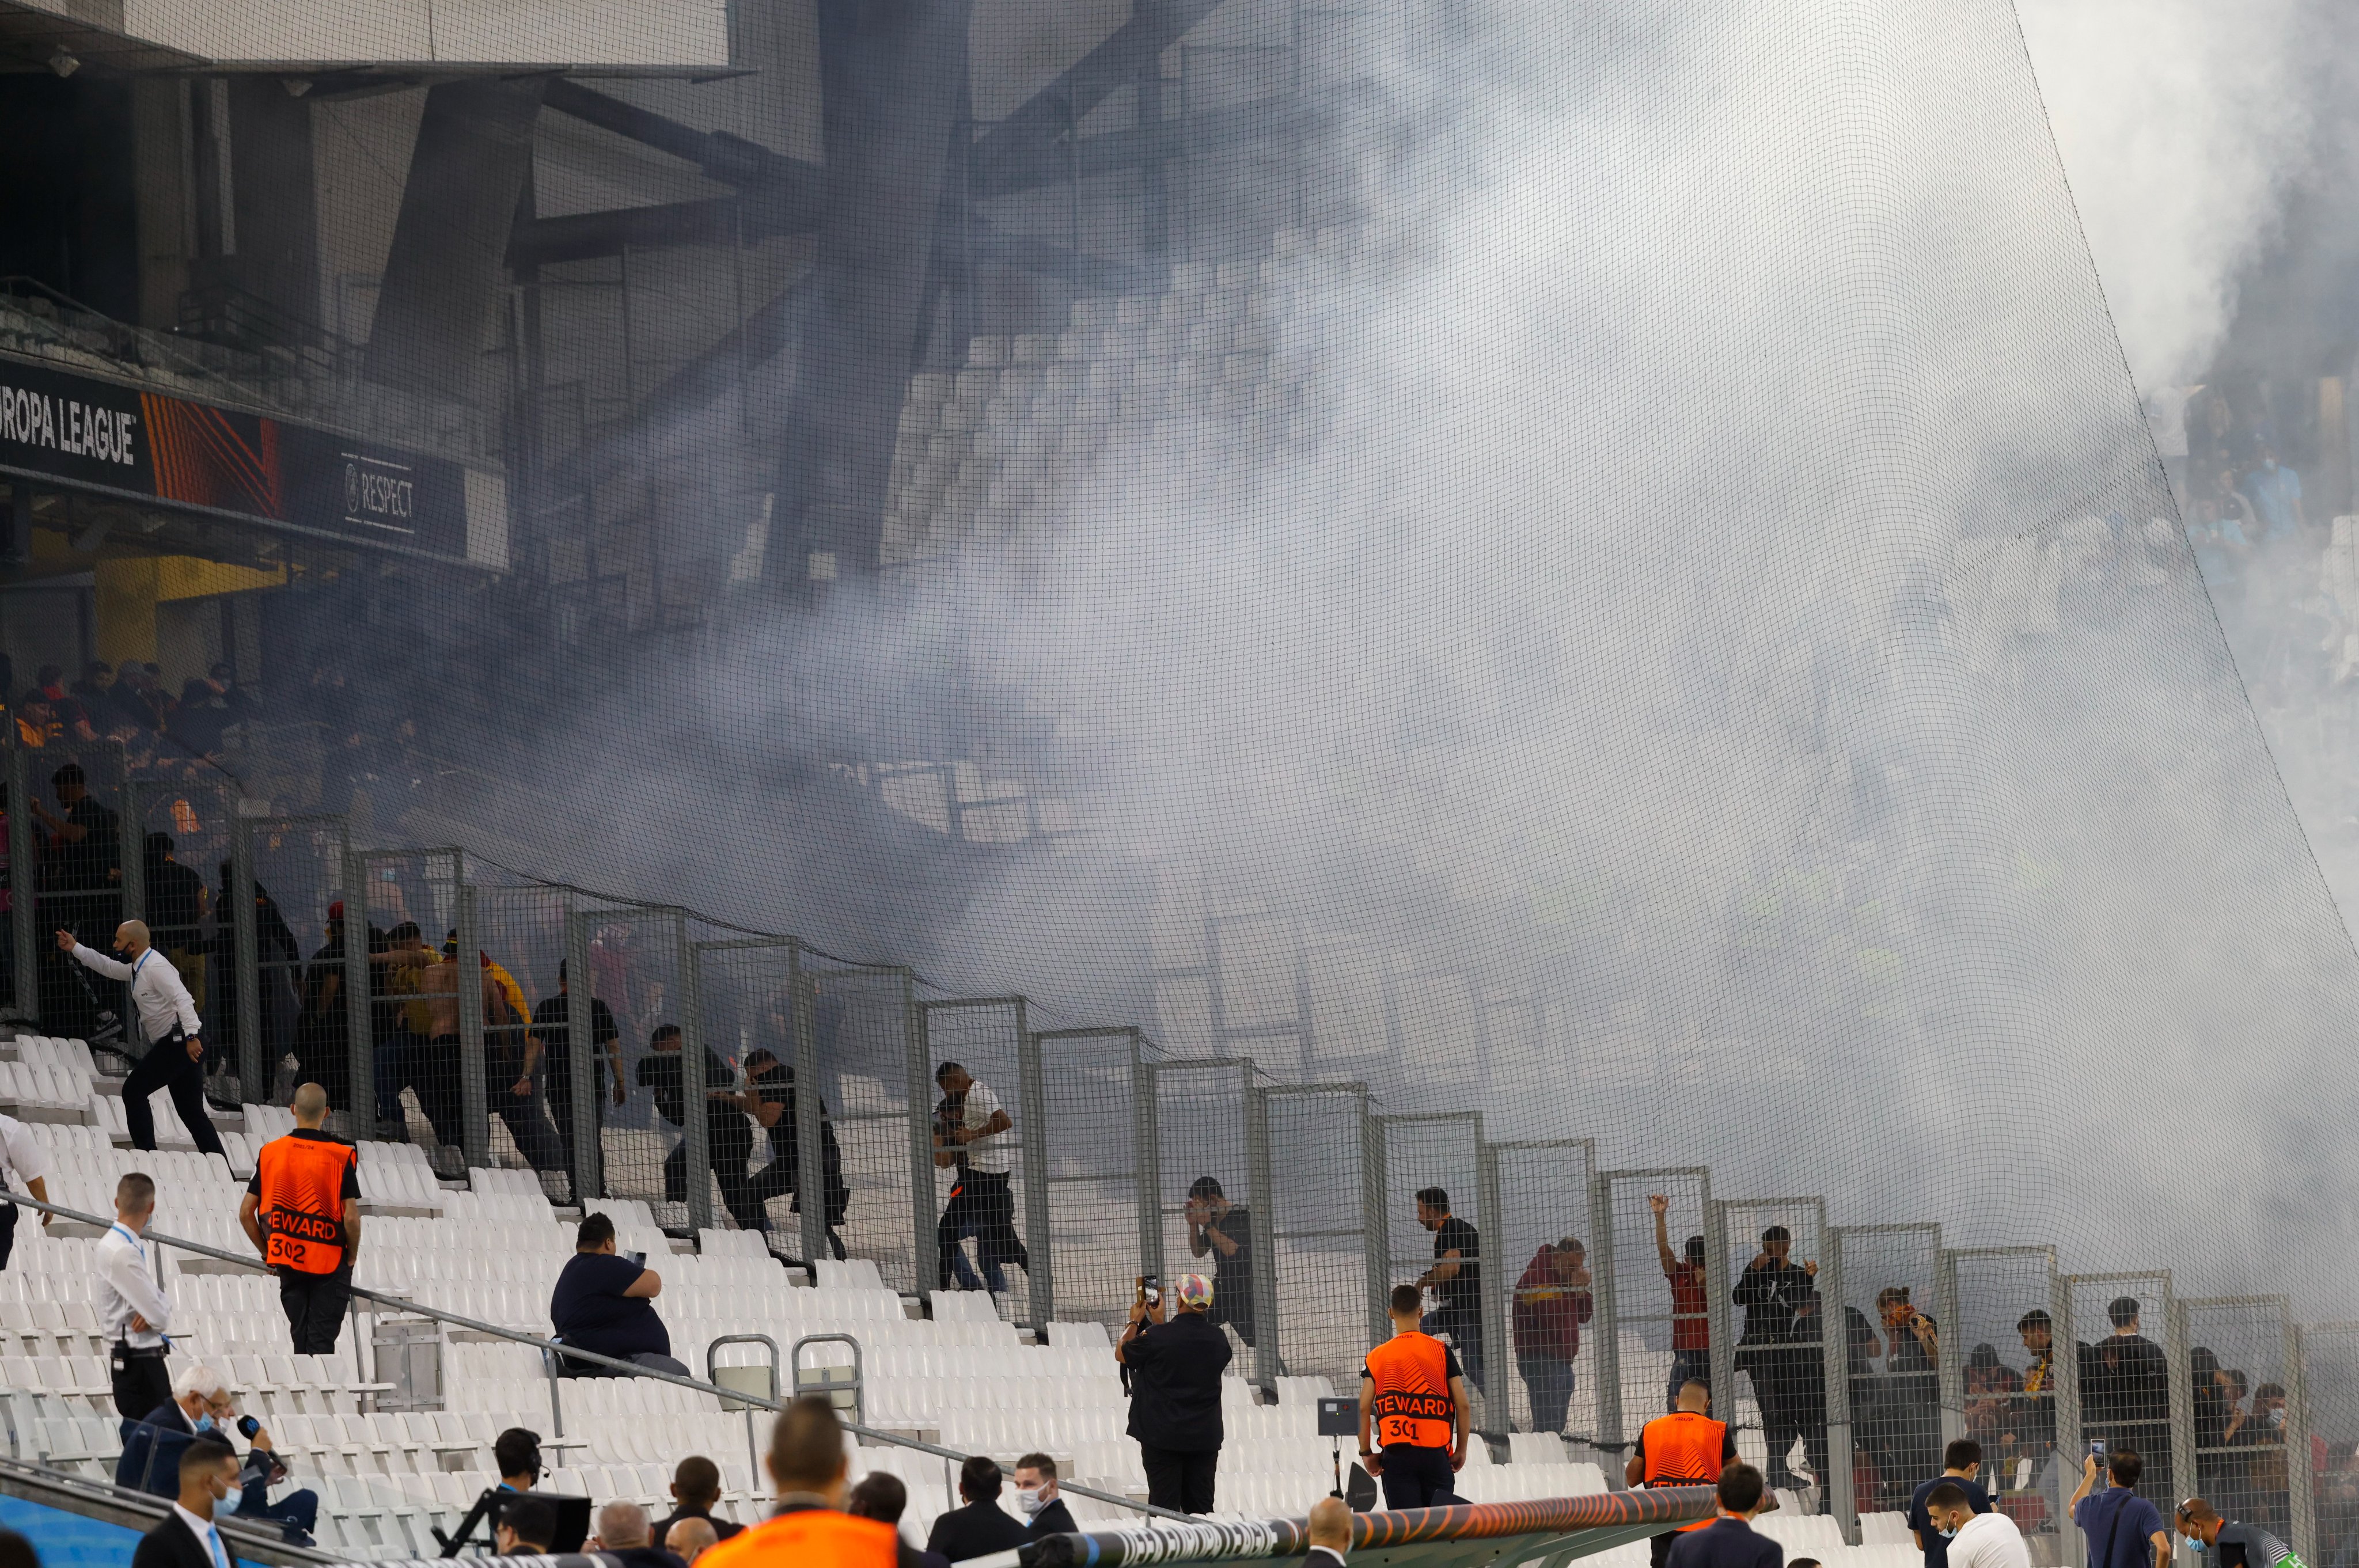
{"points": [[251, 1543], [548, 1346]]}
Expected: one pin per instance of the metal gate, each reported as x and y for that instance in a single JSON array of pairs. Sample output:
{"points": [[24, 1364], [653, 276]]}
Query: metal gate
{"points": [[1888, 1310], [1537, 1196]]}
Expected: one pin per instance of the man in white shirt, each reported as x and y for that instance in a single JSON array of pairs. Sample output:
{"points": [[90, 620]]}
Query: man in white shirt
{"points": [[132, 1308], [973, 1135], [24, 1166], [1975, 1541], [170, 1033]]}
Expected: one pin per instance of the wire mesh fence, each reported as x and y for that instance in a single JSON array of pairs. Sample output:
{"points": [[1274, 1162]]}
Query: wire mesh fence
{"points": [[1323, 1209], [1432, 1231], [1542, 1285], [1655, 1330], [1770, 1251], [2133, 1384], [1103, 1216], [2245, 1395], [2002, 1382], [1203, 1112], [875, 1074], [2330, 1368], [988, 1135], [1892, 1313]]}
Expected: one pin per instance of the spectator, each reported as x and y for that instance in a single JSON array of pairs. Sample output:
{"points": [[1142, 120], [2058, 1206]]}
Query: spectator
{"points": [[517, 1455], [1036, 1499], [177, 901], [1455, 1279], [1685, 1448], [25, 1167], [1224, 1229], [1330, 1534], [280, 959], [2125, 1390], [2121, 1529], [322, 1020], [1779, 1348], [512, 1068], [973, 1135], [809, 1470], [525, 1526], [238, 697], [2238, 1545], [132, 1310], [982, 1526], [623, 1530], [604, 1303], [440, 1064], [2275, 492], [728, 1136], [1414, 1409], [2035, 1424], [1691, 1311], [769, 1099], [165, 1020], [15, 1551], [1553, 1301], [690, 1539], [299, 1213], [200, 1407], [695, 1488], [80, 876], [1728, 1539], [70, 713], [1975, 1536], [552, 1026], [1908, 1437], [881, 1496], [203, 716], [1962, 1462], [1175, 1361], [1991, 1390], [188, 1537], [400, 1022]]}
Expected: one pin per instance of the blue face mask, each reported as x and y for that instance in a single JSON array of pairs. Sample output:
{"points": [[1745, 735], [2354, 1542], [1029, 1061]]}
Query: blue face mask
{"points": [[230, 1499], [2191, 1544], [205, 1422]]}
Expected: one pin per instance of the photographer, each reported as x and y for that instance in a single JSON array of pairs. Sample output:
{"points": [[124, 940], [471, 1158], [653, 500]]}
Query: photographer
{"points": [[201, 1406], [1175, 1366], [1225, 1231]]}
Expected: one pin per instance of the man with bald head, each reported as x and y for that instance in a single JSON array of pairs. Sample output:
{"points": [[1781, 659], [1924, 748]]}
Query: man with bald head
{"points": [[689, 1539], [299, 1213], [624, 1532], [1330, 1534], [169, 1033]]}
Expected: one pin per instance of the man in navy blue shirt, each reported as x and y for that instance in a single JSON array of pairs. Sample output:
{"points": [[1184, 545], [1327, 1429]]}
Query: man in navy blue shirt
{"points": [[1962, 1462], [2124, 1530], [1729, 1541]]}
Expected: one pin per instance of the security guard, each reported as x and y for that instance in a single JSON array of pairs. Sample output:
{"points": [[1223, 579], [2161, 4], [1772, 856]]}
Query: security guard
{"points": [[1685, 1448], [812, 1473], [1414, 1393], [298, 1212]]}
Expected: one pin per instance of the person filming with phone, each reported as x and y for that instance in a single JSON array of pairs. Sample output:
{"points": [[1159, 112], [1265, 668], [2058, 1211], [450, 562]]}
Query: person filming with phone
{"points": [[2122, 1529], [1175, 1360], [604, 1303]]}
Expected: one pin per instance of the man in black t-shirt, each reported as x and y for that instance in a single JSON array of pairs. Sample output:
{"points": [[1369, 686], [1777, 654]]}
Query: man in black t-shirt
{"points": [[551, 1025], [1962, 1465], [1455, 1278], [769, 1099], [1224, 1229], [602, 1303], [728, 1136]]}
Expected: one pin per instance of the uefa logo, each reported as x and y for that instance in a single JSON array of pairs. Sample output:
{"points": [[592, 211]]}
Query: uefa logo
{"points": [[351, 487]]}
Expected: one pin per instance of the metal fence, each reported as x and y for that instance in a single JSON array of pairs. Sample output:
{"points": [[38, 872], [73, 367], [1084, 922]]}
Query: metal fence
{"points": [[727, 1078]]}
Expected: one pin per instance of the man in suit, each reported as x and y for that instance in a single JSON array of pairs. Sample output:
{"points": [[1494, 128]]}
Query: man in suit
{"points": [[881, 1496], [982, 1526], [1331, 1534], [1036, 1494], [187, 1537], [1729, 1541], [695, 1489], [624, 1531], [201, 1408]]}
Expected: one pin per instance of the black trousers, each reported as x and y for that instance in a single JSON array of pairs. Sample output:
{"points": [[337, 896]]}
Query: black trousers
{"points": [[314, 1304], [556, 1083], [141, 1383], [1178, 1479], [983, 1200], [166, 1066], [7, 1232], [1415, 1477]]}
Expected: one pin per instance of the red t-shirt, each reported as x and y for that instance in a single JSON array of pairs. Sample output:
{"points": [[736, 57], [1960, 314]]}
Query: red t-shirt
{"points": [[1690, 1328]]}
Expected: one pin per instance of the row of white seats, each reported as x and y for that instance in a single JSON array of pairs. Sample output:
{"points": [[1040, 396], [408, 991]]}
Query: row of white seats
{"points": [[45, 1085]]}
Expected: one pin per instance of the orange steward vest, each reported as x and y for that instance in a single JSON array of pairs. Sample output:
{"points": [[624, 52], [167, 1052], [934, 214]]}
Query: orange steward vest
{"points": [[1683, 1449], [301, 1202], [809, 1538], [1411, 1374]]}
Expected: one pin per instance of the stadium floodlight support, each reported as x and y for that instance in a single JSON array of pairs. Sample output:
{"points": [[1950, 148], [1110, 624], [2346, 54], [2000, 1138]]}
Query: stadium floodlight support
{"points": [[24, 931]]}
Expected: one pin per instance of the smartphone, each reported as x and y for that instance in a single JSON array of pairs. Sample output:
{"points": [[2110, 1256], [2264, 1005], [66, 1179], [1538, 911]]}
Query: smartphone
{"points": [[638, 1258], [2097, 1449], [1150, 1288]]}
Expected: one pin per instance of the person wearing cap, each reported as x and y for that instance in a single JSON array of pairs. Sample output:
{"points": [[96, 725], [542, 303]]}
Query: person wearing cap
{"points": [[1175, 1361]]}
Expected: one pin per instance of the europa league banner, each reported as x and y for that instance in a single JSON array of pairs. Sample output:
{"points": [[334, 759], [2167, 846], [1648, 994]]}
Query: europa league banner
{"points": [[101, 435]]}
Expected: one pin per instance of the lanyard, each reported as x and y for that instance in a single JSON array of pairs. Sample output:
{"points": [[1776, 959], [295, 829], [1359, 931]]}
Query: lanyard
{"points": [[129, 1235]]}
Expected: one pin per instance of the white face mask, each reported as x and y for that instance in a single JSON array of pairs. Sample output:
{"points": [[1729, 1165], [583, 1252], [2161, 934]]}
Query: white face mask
{"points": [[1028, 1498]]}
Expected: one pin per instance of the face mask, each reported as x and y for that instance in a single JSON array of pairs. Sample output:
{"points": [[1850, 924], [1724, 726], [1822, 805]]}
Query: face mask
{"points": [[230, 1499], [2277, 1418], [2190, 1543], [205, 1422], [1029, 1499], [1951, 1533]]}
